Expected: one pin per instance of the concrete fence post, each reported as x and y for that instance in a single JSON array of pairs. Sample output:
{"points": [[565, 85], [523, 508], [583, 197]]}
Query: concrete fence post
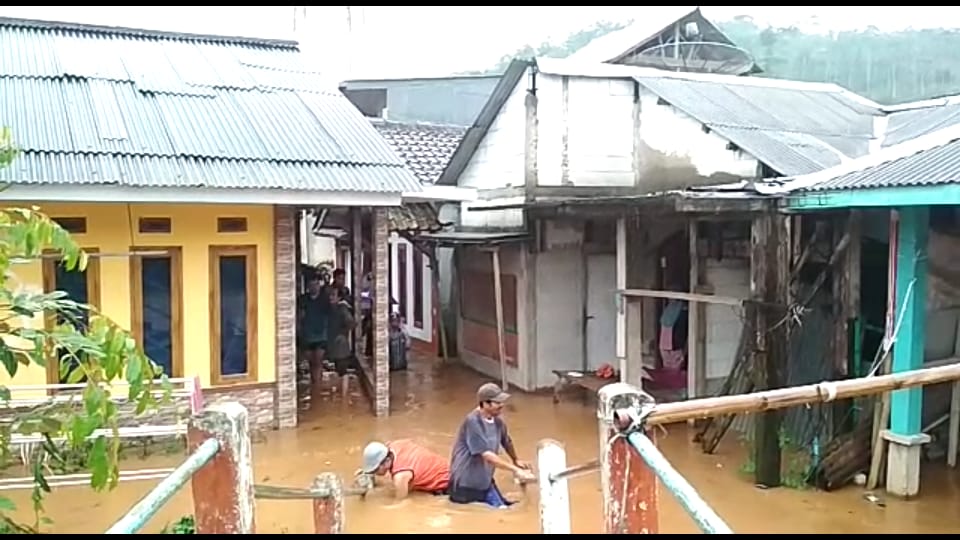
{"points": [[223, 489], [328, 511], [630, 490], [554, 497]]}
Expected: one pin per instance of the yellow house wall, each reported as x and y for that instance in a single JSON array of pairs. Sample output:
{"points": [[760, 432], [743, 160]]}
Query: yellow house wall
{"points": [[113, 228]]}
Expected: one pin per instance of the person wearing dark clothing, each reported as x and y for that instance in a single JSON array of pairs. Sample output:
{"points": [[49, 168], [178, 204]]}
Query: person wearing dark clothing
{"points": [[314, 312], [340, 324], [476, 452], [340, 283]]}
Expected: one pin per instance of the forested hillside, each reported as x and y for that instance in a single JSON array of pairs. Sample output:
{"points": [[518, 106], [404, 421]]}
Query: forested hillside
{"points": [[892, 67]]}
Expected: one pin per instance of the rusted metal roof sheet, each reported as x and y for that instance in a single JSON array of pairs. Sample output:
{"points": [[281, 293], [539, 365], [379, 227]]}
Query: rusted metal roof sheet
{"points": [[141, 108], [414, 218]]}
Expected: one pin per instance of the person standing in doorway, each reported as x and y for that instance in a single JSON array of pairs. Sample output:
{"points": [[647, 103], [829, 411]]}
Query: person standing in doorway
{"points": [[476, 452], [314, 312], [340, 282], [340, 324]]}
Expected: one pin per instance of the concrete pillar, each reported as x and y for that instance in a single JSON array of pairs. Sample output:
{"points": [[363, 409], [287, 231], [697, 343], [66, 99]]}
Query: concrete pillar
{"points": [[629, 487], [381, 311], [554, 495], [285, 269], [328, 511], [904, 436], [223, 489]]}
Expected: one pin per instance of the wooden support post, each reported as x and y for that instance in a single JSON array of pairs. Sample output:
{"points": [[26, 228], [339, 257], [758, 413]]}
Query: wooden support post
{"points": [[954, 424], [629, 487], [770, 345], [696, 322], [621, 305], [356, 268], [554, 495], [498, 293], [223, 490], [328, 511]]}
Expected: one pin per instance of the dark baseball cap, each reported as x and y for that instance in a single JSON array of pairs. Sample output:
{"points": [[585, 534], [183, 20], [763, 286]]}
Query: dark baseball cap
{"points": [[491, 392]]}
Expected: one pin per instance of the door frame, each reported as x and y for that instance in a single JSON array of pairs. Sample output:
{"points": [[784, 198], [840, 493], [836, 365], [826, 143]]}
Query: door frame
{"points": [[426, 332], [175, 254]]}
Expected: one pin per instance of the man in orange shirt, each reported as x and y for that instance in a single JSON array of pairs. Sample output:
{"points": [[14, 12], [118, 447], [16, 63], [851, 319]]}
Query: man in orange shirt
{"points": [[411, 467]]}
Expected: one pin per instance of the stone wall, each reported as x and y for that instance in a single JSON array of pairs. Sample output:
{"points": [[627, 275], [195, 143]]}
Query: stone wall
{"points": [[257, 398]]}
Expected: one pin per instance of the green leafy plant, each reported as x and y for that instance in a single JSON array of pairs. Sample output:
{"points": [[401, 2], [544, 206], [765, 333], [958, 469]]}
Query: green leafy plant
{"points": [[184, 525], [92, 349]]}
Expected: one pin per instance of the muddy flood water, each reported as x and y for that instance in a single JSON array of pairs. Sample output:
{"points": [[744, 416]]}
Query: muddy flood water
{"points": [[430, 401]]}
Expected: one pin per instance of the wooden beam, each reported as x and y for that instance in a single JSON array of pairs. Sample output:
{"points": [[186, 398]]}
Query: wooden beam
{"points": [[690, 297], [498, 293]]}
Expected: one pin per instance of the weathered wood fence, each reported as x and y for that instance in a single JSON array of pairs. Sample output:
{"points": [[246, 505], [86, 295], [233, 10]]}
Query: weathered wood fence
{"points": [[220, 472]]}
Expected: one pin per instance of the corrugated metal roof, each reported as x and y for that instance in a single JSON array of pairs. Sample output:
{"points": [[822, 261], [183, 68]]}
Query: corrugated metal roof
{"points": [[132, 106], [909, 123], [940, 165], [61, 168], [426, 148], [930, 159], [793, 129]]}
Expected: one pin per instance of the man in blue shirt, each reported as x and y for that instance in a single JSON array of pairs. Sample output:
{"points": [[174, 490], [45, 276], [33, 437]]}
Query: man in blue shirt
{"points": [[476, 452]]}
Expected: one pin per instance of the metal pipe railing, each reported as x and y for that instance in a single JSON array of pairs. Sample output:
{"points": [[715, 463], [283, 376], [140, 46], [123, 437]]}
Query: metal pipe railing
{"points": [[691, 501], [143, 511]]}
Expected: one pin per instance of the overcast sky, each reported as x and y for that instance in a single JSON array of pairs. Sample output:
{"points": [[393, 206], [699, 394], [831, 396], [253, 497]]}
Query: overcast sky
{"points": [[433, 41]]}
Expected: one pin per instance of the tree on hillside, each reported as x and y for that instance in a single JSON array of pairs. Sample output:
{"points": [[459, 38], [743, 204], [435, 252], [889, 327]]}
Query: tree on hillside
{"points": [[92, 348], [887, 67], [572, 43]]}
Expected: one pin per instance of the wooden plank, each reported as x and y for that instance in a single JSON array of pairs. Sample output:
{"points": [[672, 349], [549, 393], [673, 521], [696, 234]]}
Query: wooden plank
{"points": [[689, 297]]}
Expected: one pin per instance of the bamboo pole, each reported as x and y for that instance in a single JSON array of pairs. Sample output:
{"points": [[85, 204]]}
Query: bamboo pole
{"points": [[781, 398]]}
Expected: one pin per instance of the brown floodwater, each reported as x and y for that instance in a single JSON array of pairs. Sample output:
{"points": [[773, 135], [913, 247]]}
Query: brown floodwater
{"points": [[429, 402]]}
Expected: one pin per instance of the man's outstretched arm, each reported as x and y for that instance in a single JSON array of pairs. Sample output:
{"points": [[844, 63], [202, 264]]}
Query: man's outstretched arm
{"points": [[401, 484]]}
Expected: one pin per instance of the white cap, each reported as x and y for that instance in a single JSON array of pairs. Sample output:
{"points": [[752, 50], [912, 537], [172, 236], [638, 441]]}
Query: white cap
{"points": [[373, 456]]}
